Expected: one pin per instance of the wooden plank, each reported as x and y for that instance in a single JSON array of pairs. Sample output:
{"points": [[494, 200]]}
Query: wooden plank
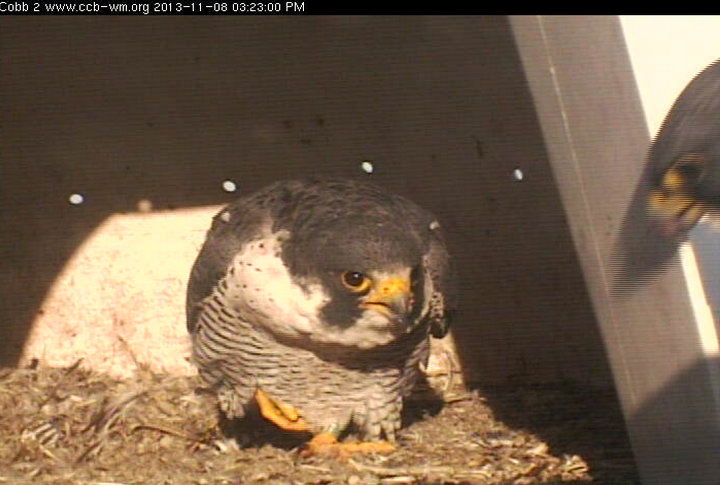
{"points": [[579, 74]]}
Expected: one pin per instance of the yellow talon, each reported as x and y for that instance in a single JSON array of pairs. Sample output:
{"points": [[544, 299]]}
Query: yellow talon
{"points": [[326, 444], [282, 415], [288, 411]]}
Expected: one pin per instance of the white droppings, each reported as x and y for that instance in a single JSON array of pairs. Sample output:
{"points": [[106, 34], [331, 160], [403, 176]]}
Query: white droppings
{"points": [[367, 166], [144, 205], [518, 175], [434, 225], [76, 199], [229, 186]]}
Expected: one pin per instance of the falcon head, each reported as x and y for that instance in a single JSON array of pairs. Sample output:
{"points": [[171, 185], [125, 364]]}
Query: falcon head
{"points": [[365, 269], [370, 271], [684, 159], [334, 263]]}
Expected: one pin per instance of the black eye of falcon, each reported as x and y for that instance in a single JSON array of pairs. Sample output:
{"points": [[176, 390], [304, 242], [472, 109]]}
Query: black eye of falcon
{"points": [[356, 281]]}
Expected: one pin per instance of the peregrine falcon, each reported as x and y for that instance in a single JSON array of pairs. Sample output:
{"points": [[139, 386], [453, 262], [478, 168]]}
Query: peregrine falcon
{"points": [[685, 157], [315, 300]]}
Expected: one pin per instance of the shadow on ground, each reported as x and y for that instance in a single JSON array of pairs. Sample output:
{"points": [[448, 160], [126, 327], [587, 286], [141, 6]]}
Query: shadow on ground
{"points": [[572, 420]]}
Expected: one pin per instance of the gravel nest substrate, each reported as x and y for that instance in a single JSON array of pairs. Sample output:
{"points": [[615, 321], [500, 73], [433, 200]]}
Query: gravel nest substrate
{"points": [[74, 426]]}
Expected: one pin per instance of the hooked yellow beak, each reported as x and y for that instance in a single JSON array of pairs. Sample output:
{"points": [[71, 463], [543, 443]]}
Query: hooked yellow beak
{"points": [[390, 295], [676, 212]]}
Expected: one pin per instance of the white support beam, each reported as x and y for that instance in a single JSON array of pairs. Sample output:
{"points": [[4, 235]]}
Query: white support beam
{"points": [[587, 103]]}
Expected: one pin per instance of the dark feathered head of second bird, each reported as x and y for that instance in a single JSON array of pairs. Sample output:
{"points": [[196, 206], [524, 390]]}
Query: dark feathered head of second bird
{"points": [[685, 157]]}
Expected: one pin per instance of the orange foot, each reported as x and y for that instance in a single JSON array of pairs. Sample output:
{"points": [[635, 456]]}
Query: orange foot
{"points": [[283, 415], [326, 444]]}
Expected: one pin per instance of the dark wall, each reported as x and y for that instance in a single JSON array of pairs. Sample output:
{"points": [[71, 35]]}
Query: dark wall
{"points": [[165, 109]]}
